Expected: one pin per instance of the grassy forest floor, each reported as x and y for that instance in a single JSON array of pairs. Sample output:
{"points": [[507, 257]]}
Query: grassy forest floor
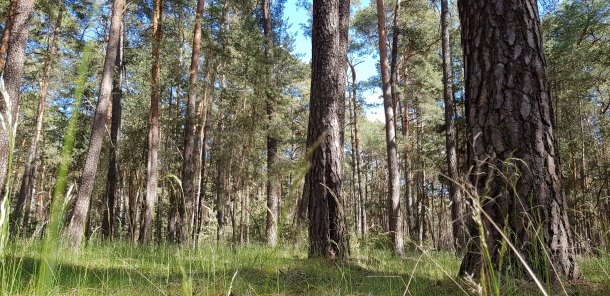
{"points": [[123, 269]]}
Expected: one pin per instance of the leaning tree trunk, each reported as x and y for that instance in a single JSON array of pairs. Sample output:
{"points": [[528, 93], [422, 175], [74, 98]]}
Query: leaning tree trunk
{"points": [[12, 77], [76, 227], [273, 184], [153, 128], [322, 189], [395, 221], [514, 154], [459, 232], [190, 133], [29, 173]]}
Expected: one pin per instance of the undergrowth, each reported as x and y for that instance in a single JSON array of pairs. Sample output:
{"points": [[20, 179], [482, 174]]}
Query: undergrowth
{"points": [[120, 268]]}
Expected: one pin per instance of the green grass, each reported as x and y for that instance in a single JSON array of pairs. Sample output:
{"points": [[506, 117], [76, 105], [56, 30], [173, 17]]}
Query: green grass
{"points": [[120, 268]]}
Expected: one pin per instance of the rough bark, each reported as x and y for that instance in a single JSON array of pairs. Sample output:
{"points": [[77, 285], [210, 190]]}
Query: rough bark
{"points": [[457, 219], [112, 175], [29, 174], [395, 221], [6, 34], [76, 227], [323, 182], [12, 77], [186, 209], [153, 127], [510, 118], [273, 183]]}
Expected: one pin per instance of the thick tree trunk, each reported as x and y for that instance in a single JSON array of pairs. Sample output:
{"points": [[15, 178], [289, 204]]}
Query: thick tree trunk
{"points": [[146, 232], [322, 189], [510, 117], [457, 216], [112, 176], [29, 174], [6, 34], [395, 220], [273, 183], [12, 78], [81, 208], [186, 208]]}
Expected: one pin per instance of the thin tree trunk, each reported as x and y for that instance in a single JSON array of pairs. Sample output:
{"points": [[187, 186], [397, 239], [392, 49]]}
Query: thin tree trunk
{"points": [[153, 126], [394, 62], [510, 116], [459, 233], [323, 181], [407, 163], [273, 183], [29, 174], [361, 203], [203, 176], [186, 208], [83, 199], [354, 205], [395, 220]]}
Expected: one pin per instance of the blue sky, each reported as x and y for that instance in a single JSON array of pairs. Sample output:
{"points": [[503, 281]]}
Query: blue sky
{"points": [[296, 16]]}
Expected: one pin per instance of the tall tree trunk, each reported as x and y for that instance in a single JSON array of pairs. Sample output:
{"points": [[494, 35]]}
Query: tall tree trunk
{"points": [[510, 117], [112, 176], [354, 204], [395, 220], [81, 207], [29, 174], [189, 156], [6, 34], [12, 77], [205, 122], [394, 62], [273, 183], [407, 170], [459, 232], [361, 203], [146, 232], [323, 181]]}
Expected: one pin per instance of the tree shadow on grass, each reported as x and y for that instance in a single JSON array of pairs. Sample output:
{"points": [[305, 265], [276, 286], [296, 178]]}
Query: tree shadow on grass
{"points": [[288, 276]]}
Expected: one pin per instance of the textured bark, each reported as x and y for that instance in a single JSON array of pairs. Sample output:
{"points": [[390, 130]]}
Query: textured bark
{"points": [[81, 207], [273, 184], [6, 34], [153, 127], [205, 121], [457, 219], [510, 117], [112, 175], [323, 182], [395, 221], [29, 174], [12, 77], [186, 209]]}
